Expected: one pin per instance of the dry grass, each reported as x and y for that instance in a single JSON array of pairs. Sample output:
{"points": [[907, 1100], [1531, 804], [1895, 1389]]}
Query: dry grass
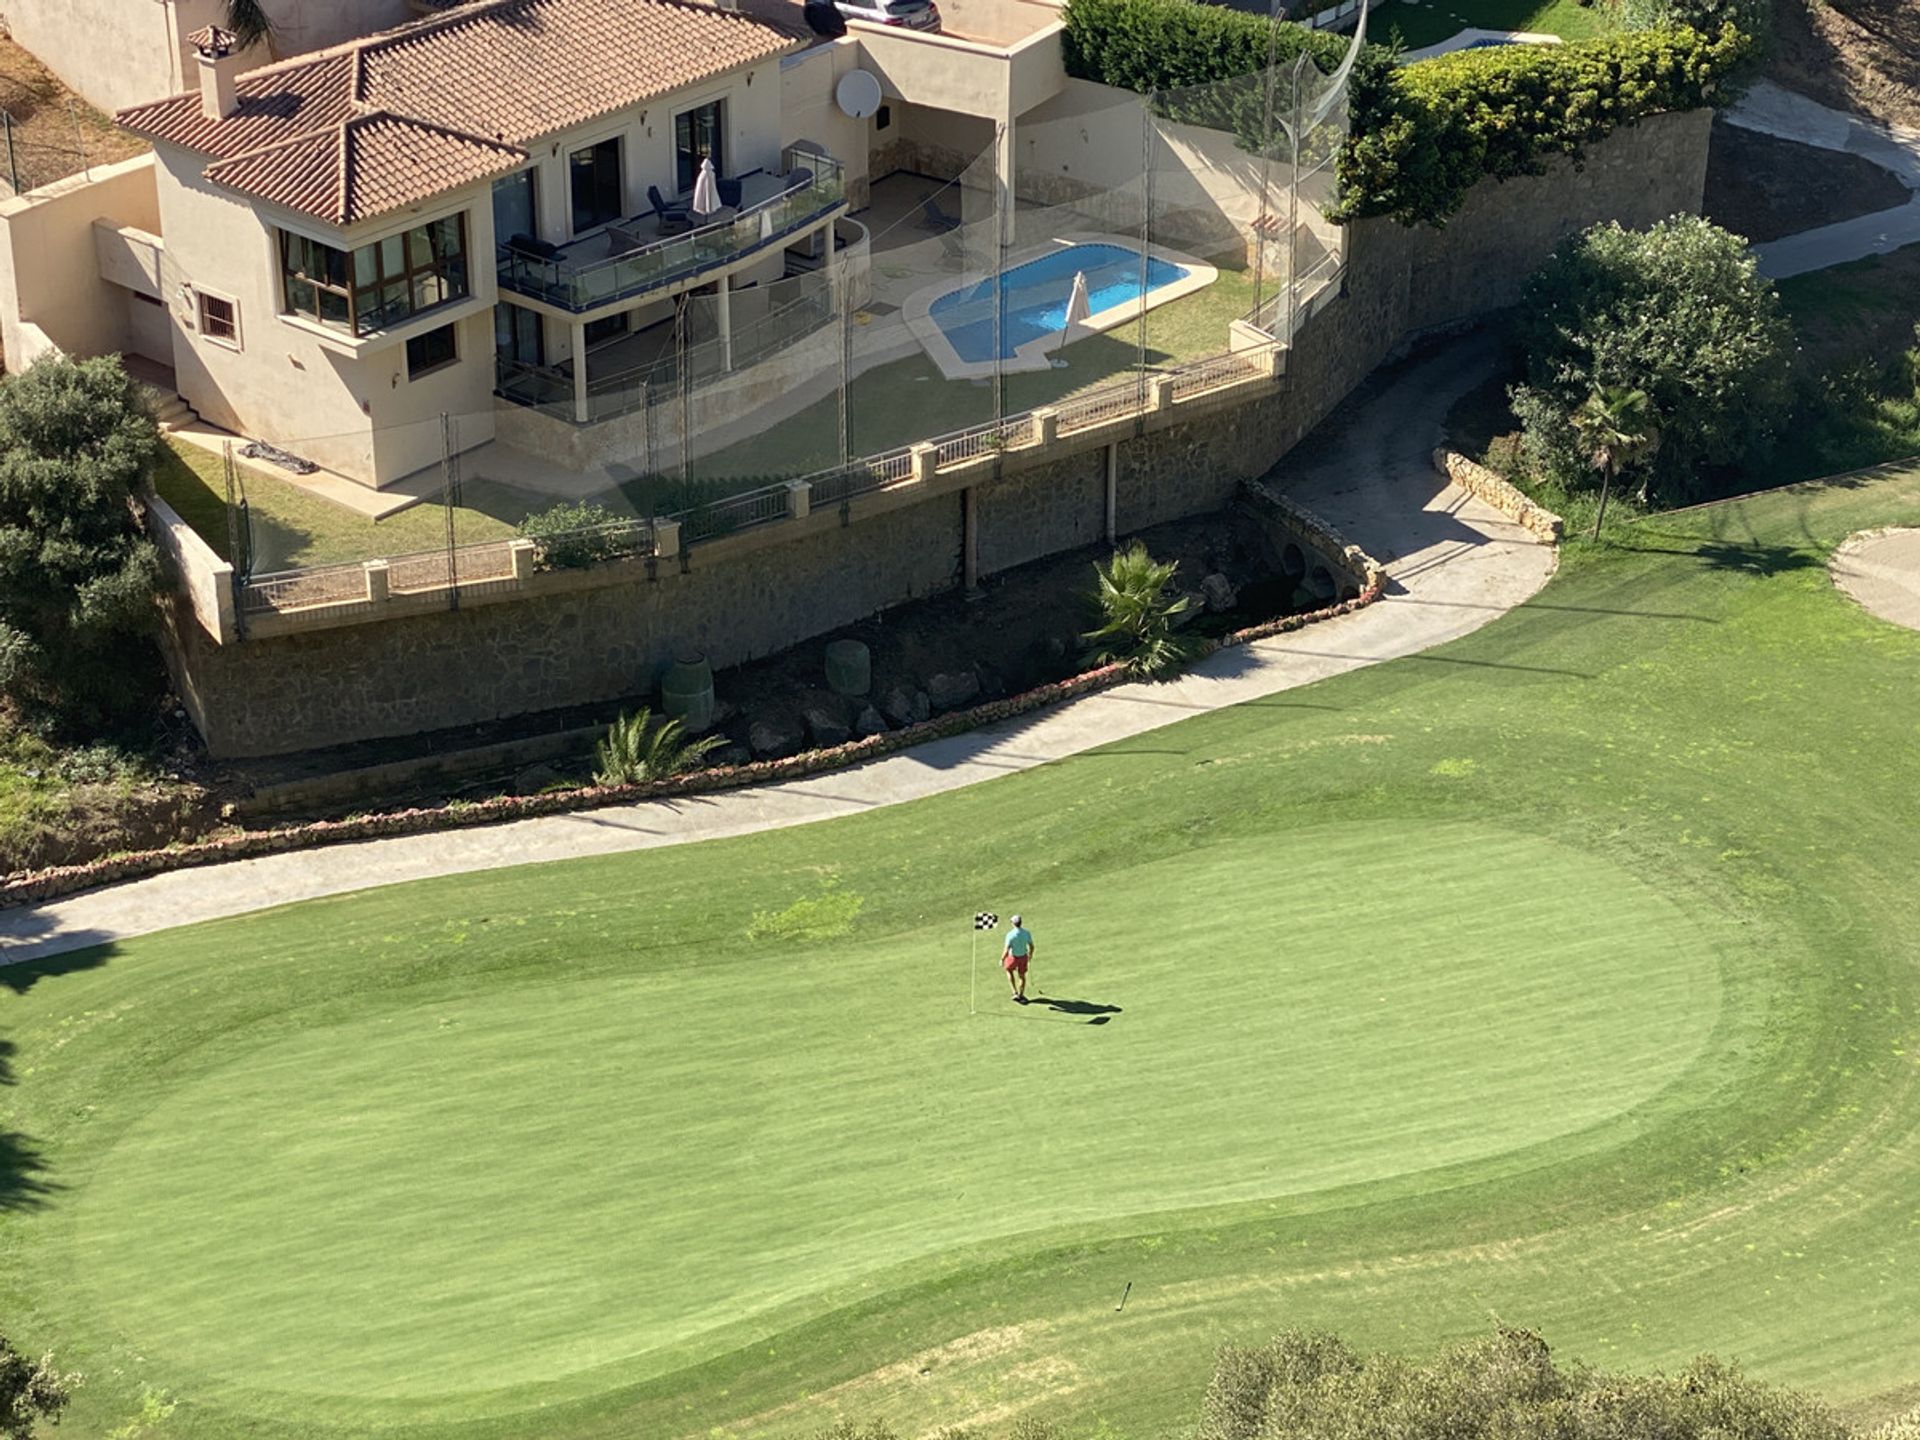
{"points": [[54, 132]]}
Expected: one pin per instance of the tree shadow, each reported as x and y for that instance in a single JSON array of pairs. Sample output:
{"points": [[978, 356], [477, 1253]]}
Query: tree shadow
{"points": [[1743, 558], [34, 933], [23, 1169]]}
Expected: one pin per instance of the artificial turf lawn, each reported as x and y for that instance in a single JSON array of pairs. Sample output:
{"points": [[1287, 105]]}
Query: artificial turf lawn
{"points": [[1563, 973]]}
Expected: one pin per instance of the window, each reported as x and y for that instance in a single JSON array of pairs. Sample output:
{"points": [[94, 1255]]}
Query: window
{"points": [[219, 319], [594, 175], [513, 210], [696, 137], [428, 352], [378, 285]]}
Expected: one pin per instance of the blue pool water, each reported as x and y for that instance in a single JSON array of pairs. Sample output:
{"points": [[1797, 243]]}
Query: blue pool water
{"points": [[1033, 297]]}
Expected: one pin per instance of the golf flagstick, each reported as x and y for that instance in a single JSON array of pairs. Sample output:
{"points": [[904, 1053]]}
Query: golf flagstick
{"points": [[985, 920]]}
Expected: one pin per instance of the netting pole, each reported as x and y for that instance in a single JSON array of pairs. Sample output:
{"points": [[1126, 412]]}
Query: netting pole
{"points": [[1293, 206], [449, 497], [239, 563], [1148, 149], [845, 272], [13, 163], [682, 308], [1266, 157]]}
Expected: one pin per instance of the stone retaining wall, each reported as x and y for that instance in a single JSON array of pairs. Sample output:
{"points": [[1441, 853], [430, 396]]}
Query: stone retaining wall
{"points": [[602, 635], [1503, 495]]}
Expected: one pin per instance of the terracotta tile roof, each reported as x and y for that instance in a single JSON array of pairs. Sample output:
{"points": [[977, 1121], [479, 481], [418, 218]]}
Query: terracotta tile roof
{"points": [[274, 104], [371, 165], [512, 70], [212, 37]]}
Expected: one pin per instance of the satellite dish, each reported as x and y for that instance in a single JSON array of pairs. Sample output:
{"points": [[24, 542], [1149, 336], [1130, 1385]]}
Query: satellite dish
{"points": [[858, 93]]}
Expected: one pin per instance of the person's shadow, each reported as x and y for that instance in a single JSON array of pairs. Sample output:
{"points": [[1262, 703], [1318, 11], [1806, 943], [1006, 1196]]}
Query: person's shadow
{"points": [[1098, 1014]]}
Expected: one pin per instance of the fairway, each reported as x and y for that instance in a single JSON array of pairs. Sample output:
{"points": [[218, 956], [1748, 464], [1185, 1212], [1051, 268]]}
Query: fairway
{"points": [[1560, 974]]}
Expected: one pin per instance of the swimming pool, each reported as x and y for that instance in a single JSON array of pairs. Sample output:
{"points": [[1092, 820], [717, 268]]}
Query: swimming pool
{"points": [[954, 320]]}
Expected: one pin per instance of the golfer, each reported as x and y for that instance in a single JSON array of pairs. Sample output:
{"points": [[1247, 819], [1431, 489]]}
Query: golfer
{"points": [[1014, 957]]}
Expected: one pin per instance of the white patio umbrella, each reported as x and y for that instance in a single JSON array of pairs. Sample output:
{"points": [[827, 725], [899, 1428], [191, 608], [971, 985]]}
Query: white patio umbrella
{"points": [[1079, 308], [706, 188]]}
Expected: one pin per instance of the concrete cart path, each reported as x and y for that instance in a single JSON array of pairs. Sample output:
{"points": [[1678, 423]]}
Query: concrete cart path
{"points": [[1454, 564], [1773, 111], [1882, 572]]}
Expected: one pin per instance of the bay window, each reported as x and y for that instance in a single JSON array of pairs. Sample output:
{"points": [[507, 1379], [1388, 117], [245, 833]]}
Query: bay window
{"points": [[376, 286]]}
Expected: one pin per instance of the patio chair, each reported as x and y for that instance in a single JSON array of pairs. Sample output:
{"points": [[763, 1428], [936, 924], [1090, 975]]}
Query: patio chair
{"points": [[535, 249], [730, 192], [936, 219], [952, 247], [621, 240], [798, 178], [664, 207]]}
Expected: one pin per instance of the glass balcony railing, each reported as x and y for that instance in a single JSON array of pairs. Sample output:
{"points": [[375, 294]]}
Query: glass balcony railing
{"points": [[585, 276]]}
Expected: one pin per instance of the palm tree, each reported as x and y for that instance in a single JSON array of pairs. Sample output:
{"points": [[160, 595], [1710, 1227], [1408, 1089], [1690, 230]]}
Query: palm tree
{"points": [[637, 750], [1138, 613], [248, 20], [1616, 426]]}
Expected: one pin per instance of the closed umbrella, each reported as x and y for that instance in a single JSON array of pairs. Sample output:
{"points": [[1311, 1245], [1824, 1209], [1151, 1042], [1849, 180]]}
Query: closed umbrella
{"points": [[1079, 308], [706, 188]]}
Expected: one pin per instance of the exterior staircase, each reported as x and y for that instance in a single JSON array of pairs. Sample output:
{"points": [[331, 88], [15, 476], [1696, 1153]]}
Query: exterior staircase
{"points": [[157, 384]]}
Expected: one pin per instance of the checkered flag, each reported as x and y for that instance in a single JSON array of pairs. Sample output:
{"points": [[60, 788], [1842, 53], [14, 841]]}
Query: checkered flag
{"points": [[985, 920]]}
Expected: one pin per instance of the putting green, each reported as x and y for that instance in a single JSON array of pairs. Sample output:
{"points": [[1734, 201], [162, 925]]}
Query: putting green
{"points": [[532, 1188]]}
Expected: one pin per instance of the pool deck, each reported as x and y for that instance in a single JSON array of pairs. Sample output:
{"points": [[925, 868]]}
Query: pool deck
{"points": [[1038, 354]]}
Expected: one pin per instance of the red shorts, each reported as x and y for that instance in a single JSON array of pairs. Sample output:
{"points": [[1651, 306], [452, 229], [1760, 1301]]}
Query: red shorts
{"points": [[1016, 964]]}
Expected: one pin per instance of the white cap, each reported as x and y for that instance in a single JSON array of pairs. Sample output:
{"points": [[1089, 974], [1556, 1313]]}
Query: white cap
{"points": [[1016, 919]]}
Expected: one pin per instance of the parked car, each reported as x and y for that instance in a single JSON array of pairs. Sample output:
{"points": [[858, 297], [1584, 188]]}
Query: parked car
{"points": [[914, 14]]}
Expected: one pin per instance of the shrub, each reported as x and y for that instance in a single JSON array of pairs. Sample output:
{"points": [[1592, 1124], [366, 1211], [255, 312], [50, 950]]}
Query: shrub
{"points": [[1753, 18], [1678, 311], [1424, 137], [576, 536], [78, 580], [1138, 614], [1156, 45], [30, 1392], [1502, 1386], [637, 750]]}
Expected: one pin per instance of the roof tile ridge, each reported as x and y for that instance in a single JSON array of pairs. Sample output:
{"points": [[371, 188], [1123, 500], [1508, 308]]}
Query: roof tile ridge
{"points": [[451, 131], [345, 176], [283, 142], [432, 24]]}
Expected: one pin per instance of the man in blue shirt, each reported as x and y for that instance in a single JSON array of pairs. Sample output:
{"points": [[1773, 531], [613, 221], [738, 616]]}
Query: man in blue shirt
{"points": [[1014, 956]]}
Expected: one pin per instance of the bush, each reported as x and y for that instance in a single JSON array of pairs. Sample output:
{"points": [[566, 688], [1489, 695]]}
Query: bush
{"points": [[78, 580], [1678, 311], [1156, 45], [1424, 137], [30, 1391], [1753, 18], [574, 537], [1502, 1386]]}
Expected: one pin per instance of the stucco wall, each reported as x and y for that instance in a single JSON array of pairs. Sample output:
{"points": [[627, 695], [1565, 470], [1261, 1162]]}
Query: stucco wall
{"points": [[598, 635], [51, 292], [122, 52]]}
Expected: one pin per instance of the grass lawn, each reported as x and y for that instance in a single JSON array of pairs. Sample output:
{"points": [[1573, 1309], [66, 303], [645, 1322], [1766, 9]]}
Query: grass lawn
{"points": [[1427, 22], [1563, 974], [294, 527]]}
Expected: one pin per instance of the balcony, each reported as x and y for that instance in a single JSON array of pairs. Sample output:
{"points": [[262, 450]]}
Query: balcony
{"points": [[634, 259]]}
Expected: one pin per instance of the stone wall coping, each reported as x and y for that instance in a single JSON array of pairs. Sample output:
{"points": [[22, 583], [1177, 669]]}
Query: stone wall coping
{"points": [[1477, 480]]}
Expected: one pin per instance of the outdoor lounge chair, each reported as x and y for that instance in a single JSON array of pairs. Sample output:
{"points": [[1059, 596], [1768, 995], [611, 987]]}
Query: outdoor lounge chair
{"points": [[535, 249], [936, 219], [730, 191]]}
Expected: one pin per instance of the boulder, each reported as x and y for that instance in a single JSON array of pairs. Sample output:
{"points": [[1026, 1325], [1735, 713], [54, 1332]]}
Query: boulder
{"points": [[771, 738], [827, 725], [729, 755], [1196, 607], [897, 704], [952, 690], [1218, 592], [870, 722], [535, 778]]}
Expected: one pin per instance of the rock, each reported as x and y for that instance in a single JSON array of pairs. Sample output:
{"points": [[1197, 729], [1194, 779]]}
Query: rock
{"points": [[771, 738], [1196, 607], [535, 778], [1218, 592], [723, 713], [897, 704], [827, 726], [1056, 648], [951, 691], [870, 722], [728, 755]]}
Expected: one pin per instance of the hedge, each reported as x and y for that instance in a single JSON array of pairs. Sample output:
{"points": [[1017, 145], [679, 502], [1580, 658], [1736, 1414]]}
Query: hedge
{"points": [[1423, 135], [1443, 125]]}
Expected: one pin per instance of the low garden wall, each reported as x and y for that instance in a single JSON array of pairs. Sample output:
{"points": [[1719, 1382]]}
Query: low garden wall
{"points": [[1477, 480]]}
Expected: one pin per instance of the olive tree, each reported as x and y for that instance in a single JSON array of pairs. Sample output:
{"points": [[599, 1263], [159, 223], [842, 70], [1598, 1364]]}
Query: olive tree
{"points": [[78, 578], [1678, 312], [30, 1391]]}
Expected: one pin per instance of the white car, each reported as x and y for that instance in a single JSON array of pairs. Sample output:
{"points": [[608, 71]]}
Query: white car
{"points": [[913, 14]]}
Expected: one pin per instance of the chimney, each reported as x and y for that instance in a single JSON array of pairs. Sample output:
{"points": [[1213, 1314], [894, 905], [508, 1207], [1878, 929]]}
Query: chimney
{"points": [[219, 69]]}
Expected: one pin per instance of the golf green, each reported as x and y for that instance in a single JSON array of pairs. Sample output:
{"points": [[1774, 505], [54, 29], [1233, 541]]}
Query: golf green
{"points": [[567, 1159], [1562, 975]]}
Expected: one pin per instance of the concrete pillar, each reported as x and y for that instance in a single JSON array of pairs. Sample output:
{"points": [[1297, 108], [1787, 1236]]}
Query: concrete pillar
{"points": [[666, 539], [1046, 425], [799, 498], [969, 539], [579, 334], [525, 554], [1160, 393], [922, 457], [1113, 493], [725, 309], [378, 579]]}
